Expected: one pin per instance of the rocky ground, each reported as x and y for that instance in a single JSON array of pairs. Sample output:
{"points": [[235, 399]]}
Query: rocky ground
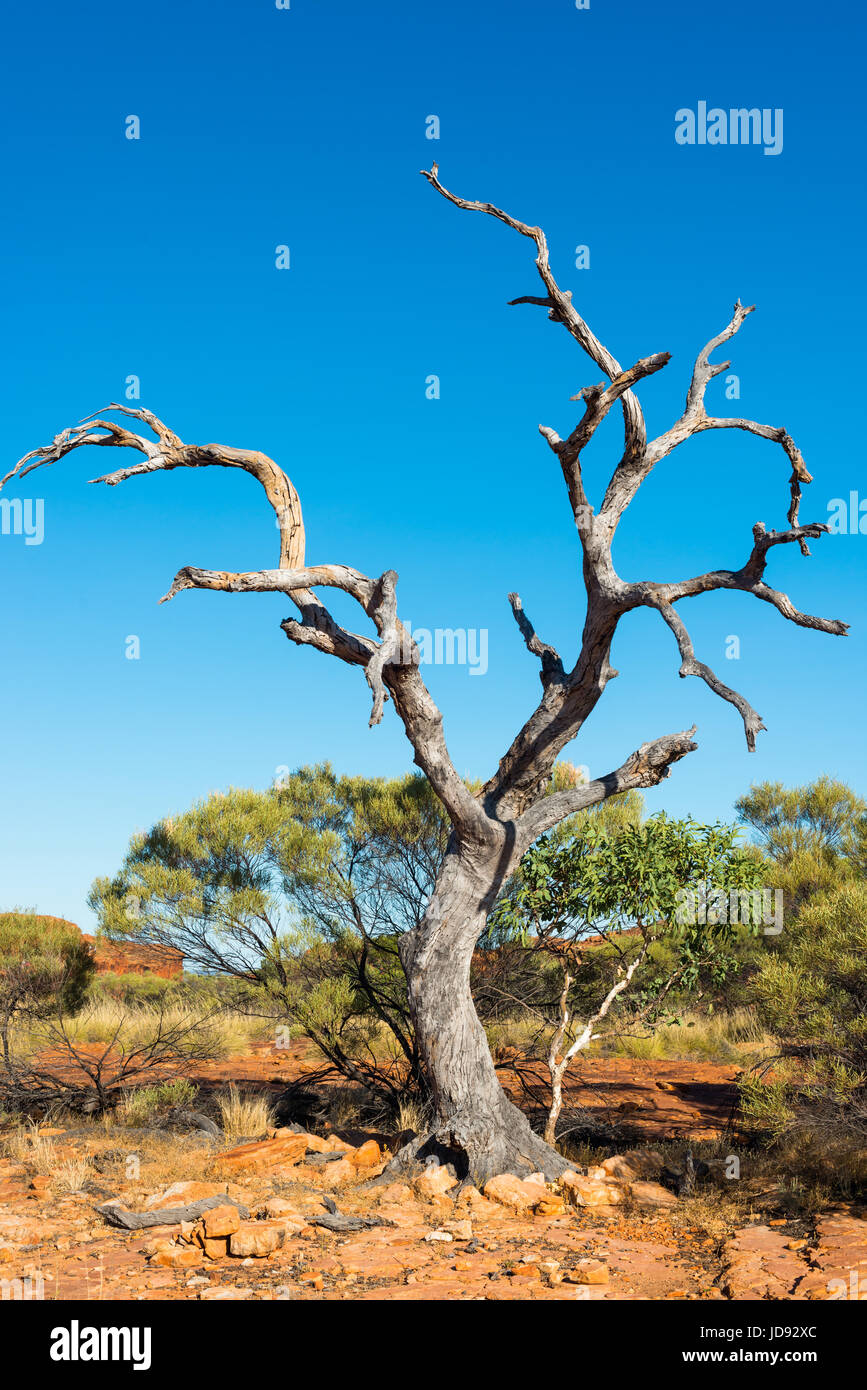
{"points": [[298, 1215]]}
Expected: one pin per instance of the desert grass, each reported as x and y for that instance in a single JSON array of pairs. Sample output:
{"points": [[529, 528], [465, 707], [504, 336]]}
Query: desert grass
{"points": [[72, 1174], [243, 1113], [347, 1106], [221, 1034], [411, 1114], [139, 1106], [26, 1145], [736, 1036]]}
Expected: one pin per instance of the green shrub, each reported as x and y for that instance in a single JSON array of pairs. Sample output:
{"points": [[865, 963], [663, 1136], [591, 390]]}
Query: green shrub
{"points": [[45, 964], [812, 994], [131, 989], [141, 1105]]}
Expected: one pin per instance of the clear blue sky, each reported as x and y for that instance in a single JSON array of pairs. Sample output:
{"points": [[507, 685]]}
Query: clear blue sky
{"points": [[306, 127]]}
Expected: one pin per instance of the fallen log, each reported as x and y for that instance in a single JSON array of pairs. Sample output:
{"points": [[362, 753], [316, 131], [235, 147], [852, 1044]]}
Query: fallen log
{"points": [[169, 1216], [337, 1222]]}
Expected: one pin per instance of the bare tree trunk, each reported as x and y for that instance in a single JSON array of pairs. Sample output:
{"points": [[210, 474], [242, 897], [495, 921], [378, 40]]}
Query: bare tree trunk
{"points": [[556, 1063], [476, 1127]]}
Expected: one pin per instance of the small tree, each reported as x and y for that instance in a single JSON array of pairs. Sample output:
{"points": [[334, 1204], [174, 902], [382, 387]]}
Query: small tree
{"points": [[814, 835], [812, 993], [625, 889], [44, 963], [300, 894], [493, 825]]}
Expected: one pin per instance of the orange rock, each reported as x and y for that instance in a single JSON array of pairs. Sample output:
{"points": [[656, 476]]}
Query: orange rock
{"points": [[479, 1207], [550, 1206], [181, 1194], [178, 1257], [591, 1192], [278, 1206], [433, 1182], [266, 1153], [518, 1194], [395, 1192], [368, 1156], [339, 1172], [588, 1272], [635, 1163], [530, 1270], [650, 1195], [40, 1184], [255, 1239], [155, 1247], [335, 1145], [315, 1144], [220, 1221], [215, 1248]]}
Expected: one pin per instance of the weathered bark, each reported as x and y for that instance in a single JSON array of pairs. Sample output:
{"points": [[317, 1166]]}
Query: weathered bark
{"points": [[475, 1125], [166, 1216]]}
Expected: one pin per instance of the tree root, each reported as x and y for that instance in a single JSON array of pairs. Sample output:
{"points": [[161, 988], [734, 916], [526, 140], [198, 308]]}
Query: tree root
{"points": [[476, 1149]]}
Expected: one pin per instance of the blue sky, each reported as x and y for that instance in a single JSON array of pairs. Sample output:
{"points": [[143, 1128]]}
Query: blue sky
{"points": [[306, 127]]}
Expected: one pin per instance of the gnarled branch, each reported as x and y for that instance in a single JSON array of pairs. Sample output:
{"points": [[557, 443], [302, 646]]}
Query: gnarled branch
{"points": [[561, 308], [694, 420], [690, 666], [748, 579], [552, 666], [316, 627], [170, 452], [646, 767]]}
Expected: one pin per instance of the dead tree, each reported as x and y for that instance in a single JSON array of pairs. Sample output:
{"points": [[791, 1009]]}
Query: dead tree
{"points": [[475, 1124]]}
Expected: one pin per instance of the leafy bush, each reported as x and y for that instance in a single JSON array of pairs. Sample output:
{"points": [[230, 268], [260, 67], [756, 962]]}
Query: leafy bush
{"points": [[131, 989], [44, 964], [140, 1106], [812, 994]]}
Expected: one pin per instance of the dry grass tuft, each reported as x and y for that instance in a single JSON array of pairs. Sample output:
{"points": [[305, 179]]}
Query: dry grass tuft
{"points": [[244, 1112]]}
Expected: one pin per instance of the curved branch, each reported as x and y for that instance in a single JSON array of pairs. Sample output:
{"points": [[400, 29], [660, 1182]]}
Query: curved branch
{"points": [[646, 767], [630, 474], [690, 666], [379, 601], [552, 666], [170, 452], [390, 651], [561, 308], [598, 401], [748, 579], [282, 581]]}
